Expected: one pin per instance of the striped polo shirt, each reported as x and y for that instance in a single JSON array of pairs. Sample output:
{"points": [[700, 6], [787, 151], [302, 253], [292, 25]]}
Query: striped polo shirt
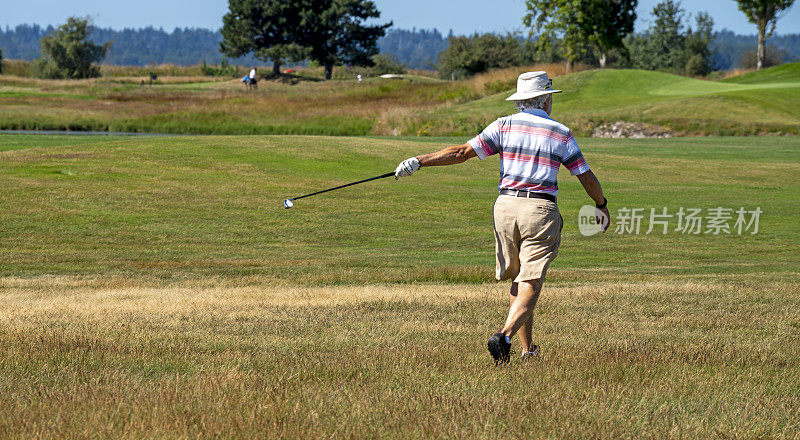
{"points": [[531, 147]]}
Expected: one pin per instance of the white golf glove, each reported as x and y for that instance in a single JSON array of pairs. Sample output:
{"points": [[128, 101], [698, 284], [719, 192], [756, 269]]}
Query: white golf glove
{"points": [[406, 167]]}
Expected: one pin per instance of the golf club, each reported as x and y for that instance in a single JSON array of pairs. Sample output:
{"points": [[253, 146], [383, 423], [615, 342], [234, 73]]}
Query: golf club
{"points": [[288, 203]]}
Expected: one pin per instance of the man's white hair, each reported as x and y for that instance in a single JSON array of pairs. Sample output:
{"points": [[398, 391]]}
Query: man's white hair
{"points": [[537, 102]]}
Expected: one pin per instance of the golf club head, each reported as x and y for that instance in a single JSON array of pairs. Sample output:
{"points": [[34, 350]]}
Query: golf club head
{"points": [[288, 203]]}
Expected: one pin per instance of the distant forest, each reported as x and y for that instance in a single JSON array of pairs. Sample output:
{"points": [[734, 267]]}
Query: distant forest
{"points": [[416, 48]]}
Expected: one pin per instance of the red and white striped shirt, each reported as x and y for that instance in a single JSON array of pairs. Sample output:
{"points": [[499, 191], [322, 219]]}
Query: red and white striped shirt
{"points": [[531, 147]]}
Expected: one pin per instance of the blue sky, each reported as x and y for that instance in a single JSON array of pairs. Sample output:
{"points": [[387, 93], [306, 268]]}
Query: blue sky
{"points": [[462, 16]]}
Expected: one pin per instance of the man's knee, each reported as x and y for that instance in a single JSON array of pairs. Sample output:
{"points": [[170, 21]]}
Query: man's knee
{"points": [[531, 285]]}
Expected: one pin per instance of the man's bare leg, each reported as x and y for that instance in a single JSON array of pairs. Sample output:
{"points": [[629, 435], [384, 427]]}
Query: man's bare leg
{"points": [[521, 311], [526, 330]]}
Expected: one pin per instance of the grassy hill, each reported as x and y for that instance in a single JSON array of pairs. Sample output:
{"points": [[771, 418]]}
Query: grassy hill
{"points": [[766, 102], [789, 72], [762, 102]]}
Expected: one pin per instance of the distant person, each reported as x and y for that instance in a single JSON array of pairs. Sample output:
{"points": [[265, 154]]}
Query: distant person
{"points": [[527, 222], [360, 79], [253, 80]]}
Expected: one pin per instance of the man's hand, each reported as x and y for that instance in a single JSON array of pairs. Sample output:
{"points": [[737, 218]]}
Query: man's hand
{"points": [[595, 191], [406, 167], [607, 215]]}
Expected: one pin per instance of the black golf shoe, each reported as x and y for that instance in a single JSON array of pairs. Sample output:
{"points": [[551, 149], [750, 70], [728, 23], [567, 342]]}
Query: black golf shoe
{"points": [[499, 348]]}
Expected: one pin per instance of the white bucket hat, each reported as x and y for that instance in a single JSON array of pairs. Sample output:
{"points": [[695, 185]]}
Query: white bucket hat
{"points": [[531, 85]]}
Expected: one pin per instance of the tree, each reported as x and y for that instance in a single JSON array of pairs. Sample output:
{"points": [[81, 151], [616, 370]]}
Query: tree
{"points": [[466, 56], [667, 37], [667, 46], [609, 21], [67, 53], [662, 47], [384, 64], [763, 14], [1, 61], [269, 29], [553, 19], [699, 60], [334, 32], [598, 24], [329, 32]]}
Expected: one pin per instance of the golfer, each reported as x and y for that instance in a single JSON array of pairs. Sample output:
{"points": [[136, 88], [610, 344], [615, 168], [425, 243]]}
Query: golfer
{"points": [[253, 80], [527, 223]]}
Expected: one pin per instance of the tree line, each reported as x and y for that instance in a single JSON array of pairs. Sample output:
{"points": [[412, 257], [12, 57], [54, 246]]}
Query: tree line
{"points": [[337, 32], [599, 33], [414, 48], [129, 47], [586, 28]]}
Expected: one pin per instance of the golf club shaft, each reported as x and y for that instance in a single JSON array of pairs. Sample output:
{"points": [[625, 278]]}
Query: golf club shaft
{"points": [[382, 176]]}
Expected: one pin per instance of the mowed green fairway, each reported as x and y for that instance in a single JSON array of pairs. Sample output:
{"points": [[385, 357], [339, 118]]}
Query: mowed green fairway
{"points": [[155, 287]]}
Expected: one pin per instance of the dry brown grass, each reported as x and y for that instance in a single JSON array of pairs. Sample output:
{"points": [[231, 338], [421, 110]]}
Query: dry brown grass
{"points": [[16, 68], [167, 69], [734, 72], [83, 358], [203, 105], [22, 68], [58, 84]]}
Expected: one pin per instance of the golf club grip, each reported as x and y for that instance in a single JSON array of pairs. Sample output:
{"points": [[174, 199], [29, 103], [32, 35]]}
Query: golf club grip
{"points": [[382, 176]]}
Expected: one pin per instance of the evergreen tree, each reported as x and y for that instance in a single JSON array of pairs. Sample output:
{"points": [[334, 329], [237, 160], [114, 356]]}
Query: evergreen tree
{"points": [[665, 48], [269, 29], [669, 45], [699, 59], [335, 32], [330, 32]]}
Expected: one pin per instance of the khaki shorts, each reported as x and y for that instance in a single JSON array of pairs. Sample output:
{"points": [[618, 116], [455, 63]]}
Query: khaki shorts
{"points": [[527, 233]]}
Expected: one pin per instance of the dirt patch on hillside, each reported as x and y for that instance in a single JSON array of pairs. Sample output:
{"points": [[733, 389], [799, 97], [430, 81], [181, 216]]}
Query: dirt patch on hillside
{"points": [[635, 130]]}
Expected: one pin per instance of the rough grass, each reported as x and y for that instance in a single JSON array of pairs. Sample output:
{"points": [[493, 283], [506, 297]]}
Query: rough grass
{"points": [[618, 360], [22, 68], [220, 106], [155, 288]]}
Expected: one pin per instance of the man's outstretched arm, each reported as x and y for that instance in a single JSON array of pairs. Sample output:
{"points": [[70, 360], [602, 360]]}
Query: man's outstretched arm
{"points": [[446, 156]]}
